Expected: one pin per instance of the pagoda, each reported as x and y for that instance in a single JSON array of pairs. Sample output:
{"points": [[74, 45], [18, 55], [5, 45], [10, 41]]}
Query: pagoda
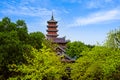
{"points": [[52, 29], [53, 36]]}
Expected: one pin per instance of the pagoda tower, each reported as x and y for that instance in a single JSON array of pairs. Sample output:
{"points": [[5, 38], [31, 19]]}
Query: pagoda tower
{"points": [[53, 36], [52, 29]]}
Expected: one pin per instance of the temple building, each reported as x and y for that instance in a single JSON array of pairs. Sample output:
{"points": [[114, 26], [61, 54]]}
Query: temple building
{"points": [[53, 36]]}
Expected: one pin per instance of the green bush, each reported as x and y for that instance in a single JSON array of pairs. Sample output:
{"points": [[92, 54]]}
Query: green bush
{"points": [[98, 64]]}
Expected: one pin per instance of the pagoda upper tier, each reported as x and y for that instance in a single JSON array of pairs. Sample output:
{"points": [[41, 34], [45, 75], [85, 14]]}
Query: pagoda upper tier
{"points": [[52, 29]]}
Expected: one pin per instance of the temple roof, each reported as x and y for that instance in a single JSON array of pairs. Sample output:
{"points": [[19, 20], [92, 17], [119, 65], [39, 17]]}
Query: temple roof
{"points": [[67, 58], [52, 34], [60, 40], [52, 30]]}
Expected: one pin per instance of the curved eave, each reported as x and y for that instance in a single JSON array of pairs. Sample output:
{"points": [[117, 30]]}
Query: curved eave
{"points": [[52, 30], [51, 21], [49, 26], [51, 34]]}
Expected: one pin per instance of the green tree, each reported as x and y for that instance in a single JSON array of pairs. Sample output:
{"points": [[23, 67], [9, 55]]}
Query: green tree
{"points": [[22, 30], [6, 21], [98, 64], [113, 39], [22, 55], [74, 49], [11, 51], [41, 65], [7, 25], [12, 47], [36, 39], [2, 26]]}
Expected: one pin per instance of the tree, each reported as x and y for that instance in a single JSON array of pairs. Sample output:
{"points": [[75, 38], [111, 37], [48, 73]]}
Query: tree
{"points": [[42, 65], [11, 51], [21, 24], [22, 30], [12, 47], [98, 64], [74, 49], [36, 39], [113, 39], [7, 25], [22, 55], [6, 21]]}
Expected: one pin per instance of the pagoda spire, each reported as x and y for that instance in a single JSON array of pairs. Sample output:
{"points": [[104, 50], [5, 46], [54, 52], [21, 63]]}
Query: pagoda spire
{"points": [[52, 18]]}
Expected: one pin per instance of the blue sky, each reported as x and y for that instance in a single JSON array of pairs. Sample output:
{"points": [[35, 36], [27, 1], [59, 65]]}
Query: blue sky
{"points": [[88, 21]]}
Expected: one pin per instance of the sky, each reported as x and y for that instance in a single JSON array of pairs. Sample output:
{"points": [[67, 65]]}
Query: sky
{"points": [[88, 21]]}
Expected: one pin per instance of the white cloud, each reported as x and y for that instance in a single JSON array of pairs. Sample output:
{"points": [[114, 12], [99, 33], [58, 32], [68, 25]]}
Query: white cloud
{"points": [[97, 17], [93, 4], [65, 11], [27, 10], [99, 3]]}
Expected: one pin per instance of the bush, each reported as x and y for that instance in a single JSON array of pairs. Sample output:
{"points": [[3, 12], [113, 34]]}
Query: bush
{"points": [[98, 64]]}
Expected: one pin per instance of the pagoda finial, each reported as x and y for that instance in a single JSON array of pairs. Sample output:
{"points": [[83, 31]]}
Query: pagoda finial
{"points": [[52, 18]]}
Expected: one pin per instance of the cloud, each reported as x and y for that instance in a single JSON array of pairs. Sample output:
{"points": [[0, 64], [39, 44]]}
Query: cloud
{"points": [[91, 4], [28, 11], [65, 11], [97, 17], [24, 8]]}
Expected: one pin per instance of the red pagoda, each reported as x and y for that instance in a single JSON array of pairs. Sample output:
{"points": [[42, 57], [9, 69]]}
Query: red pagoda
{"points": [[53, 36], [52, 29]]}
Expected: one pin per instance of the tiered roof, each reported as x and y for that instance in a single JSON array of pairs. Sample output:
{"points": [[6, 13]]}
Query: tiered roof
{"points": [[60, 40]]}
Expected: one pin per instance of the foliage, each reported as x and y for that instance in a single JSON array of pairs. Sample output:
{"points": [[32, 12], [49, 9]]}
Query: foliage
{"points": [[22, 31], [35, 39], [22, 55], [98, 64], [6, 25], [74, 49], [11, 51], [9, 45], [113, 39], [14, 44], [41, 65], [30, 56]]}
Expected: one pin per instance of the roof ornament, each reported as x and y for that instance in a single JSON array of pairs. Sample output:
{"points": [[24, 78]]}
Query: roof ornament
{"points": [[52, 18]]}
